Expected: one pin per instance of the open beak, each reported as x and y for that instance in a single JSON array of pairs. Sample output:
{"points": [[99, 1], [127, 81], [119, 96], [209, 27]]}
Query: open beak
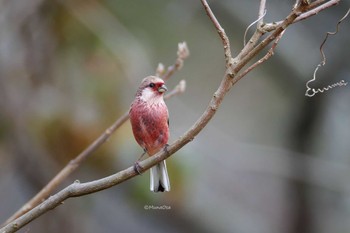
{"points": [[162, 88]]}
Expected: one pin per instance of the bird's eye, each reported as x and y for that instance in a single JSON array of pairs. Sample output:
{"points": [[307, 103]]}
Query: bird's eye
{"points": [[151, 85]]}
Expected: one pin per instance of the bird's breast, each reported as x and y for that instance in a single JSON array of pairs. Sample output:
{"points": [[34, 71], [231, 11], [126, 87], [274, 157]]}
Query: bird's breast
{"points": [[150, 125]]}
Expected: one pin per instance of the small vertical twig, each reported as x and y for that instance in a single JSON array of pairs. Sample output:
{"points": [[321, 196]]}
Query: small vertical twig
{"points": [[262, 12], [269, 54], [250, 25], [221, 32], [182, 53]]}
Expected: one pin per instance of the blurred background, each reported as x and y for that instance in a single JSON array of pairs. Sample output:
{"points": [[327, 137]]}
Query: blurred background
{"points": [[271, 160]]}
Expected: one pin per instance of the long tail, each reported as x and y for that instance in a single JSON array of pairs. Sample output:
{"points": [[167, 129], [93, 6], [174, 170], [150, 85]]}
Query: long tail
{"points": [[159, 178]]}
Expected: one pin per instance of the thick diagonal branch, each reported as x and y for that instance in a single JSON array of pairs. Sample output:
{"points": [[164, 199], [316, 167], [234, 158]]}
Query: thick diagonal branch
{"points": [[182, 54]]}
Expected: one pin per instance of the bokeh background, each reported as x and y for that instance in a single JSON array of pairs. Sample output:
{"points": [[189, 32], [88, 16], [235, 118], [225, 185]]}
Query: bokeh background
{"points": [[271, 160]]}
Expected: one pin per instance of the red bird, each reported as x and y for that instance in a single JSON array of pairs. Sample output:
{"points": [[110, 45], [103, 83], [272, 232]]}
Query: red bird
{"points": [[149, 119]]}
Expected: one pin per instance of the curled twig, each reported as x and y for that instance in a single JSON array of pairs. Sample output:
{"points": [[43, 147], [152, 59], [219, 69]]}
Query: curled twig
{"points": [[310, 92], [250, 25], [182, 53], [323, 62]]}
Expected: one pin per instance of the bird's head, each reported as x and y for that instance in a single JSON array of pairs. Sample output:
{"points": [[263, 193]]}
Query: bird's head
{"points": [[151, 89]]}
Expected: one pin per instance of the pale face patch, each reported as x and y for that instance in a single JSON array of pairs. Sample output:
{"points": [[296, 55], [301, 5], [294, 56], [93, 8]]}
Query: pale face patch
{"points": [[151, 97]]}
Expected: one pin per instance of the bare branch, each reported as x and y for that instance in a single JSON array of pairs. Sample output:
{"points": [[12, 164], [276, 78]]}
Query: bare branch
{"points": [[299, 3], [250, 25], [160, 70], [180, 88], [94, 186], [262, 12], [68, 169], [254, 51], [258, 33], [182, 54], [221, 31], [249, 51], [267, 56], [79, 189], [314, 9]]}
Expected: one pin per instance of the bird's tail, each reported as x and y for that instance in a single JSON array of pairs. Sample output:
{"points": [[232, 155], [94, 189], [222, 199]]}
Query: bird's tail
{"points": [[159, 178]]}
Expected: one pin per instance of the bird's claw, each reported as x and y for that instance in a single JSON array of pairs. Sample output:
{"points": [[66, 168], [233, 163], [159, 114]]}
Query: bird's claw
{"points": [[166, 148], [137, 168]]}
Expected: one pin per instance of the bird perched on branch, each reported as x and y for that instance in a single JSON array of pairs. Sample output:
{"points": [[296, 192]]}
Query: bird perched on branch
{"points": [[150, 124]]}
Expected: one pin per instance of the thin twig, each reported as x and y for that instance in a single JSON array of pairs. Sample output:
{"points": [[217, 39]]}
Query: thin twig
{"points": [[257, 34], [252, 42], [315, 8], [263, 28], [180, 88], [323, 62], [221, 32], [182, 54], [268, 55], [250, 25], [250, 54], [310, 92], [262, 12]]}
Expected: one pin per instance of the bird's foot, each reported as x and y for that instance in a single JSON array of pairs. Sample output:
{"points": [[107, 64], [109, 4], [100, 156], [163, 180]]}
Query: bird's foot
{"points": [[166, 148], [138, 168]]}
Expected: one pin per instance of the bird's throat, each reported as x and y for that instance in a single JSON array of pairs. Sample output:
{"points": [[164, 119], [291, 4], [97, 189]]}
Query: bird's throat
{"points": [[151, 97]]}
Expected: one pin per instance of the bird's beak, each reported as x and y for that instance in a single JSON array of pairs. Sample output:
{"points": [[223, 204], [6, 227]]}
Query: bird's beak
{"points": [[162, 88]]}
